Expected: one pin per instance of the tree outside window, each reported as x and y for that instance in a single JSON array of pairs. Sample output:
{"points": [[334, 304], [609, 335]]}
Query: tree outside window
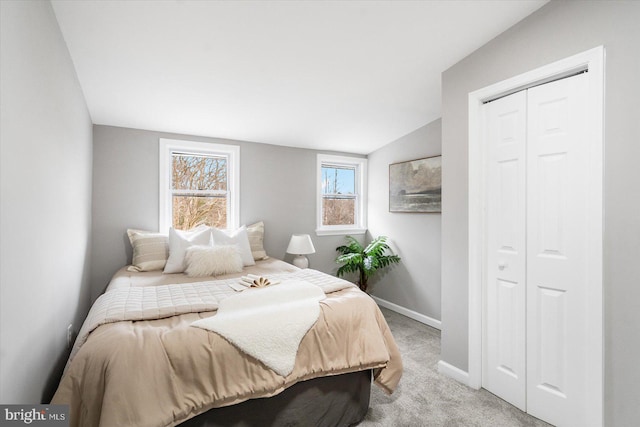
{"points": [[338, 195], [199, 191], [341, 195], [199, 184]]}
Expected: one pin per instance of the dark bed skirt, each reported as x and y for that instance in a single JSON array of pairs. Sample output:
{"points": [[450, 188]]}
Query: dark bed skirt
{"points": [[339, 400]]}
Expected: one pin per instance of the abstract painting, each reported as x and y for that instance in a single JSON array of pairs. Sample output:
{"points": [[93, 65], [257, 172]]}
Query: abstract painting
{"points": [[416, 185]]}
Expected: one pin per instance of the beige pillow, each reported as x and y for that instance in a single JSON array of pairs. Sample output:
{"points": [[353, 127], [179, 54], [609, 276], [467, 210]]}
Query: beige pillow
{"points": [[150, 250], [256, 239]]}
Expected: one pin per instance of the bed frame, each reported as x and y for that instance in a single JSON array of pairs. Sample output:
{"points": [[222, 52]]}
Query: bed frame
{"points": [[339, 400]]}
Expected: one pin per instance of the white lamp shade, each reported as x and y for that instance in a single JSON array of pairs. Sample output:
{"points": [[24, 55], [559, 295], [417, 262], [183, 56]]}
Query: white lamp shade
{"points": [[301, 244]]}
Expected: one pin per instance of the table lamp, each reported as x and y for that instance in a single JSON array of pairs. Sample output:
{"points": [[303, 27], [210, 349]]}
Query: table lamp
{"points": [[301, 245]]}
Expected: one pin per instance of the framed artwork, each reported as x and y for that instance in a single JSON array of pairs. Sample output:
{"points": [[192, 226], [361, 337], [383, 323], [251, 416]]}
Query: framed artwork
{"points": [[416, 185]]}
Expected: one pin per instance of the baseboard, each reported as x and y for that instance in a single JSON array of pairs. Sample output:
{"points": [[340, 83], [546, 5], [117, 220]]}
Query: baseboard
{"points": [[406, 312], [453, 372]]}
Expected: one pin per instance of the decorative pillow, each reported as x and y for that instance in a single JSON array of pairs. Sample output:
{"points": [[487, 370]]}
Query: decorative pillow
{"points": [[235, 237], [179, 241], [255, 232], [150, 250], [212, 260]]}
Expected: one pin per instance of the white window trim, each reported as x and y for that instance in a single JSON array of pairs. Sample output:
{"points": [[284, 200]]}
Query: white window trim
{"points": [[360, 227], [231, 152]]}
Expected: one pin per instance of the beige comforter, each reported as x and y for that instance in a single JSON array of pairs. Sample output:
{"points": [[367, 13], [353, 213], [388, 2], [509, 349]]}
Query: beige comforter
{"points": [[162, 372]]}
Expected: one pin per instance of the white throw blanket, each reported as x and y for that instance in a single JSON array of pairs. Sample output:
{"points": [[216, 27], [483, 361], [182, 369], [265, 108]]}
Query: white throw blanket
{"points": [[268, 323]]}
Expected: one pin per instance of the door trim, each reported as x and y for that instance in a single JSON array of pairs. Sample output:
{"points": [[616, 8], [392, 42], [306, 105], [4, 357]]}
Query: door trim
{"points": [[593, 62]]}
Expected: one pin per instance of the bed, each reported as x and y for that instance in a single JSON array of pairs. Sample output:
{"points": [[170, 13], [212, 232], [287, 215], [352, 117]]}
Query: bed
{"points": [[139, 361]]}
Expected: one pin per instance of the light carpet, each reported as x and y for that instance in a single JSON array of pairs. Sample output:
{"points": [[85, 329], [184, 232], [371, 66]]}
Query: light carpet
{"points": [[426, 398]]}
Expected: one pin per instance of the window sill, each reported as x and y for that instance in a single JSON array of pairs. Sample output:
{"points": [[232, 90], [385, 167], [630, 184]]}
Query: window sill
{"points": [[339, 231]]}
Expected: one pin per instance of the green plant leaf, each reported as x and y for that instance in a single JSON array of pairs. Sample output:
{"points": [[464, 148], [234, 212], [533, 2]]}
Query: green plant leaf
{"points": [[352, 246], [347, 268], [364, 260]]}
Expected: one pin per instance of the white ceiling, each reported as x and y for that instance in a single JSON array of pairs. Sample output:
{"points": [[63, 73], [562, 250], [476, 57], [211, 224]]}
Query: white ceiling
{"points": [[333, 75]]}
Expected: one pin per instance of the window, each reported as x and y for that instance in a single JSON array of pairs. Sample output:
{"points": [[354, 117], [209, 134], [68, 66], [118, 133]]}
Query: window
{"points": [[341, 201], [199, 184]]}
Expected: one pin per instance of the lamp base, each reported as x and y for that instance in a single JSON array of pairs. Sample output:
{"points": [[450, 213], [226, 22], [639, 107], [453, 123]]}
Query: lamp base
{"points": [[301, 261]]}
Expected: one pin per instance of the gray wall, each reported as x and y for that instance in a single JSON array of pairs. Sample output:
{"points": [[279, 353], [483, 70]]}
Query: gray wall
{"points": [[556, 31], [415, 282], [277, 186], [45, 175]]}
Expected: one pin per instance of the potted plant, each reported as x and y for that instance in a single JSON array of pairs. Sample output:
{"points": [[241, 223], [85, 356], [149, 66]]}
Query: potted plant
{"points": [[364, 260]]}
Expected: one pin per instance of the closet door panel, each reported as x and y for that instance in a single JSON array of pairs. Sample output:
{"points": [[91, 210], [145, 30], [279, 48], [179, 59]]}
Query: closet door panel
{"points": [[557, 197], [504, 316]]}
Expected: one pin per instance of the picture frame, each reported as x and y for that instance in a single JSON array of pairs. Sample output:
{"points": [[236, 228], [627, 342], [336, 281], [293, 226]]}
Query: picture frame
{"points": [[416, 185]]}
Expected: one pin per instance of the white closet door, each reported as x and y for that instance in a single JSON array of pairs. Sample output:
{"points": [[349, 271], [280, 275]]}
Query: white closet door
{"points": [[504, 369], [557, 236]]}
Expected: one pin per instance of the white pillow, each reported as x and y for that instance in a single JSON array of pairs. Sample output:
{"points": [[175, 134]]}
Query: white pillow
{"points": [[235, 237], [179, 241], [212, 260]]}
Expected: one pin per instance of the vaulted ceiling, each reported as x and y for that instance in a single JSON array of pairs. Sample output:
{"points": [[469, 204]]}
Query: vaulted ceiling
{"points": [[335, 75]]}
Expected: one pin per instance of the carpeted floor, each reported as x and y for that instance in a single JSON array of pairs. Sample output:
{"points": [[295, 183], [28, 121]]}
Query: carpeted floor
{"points": [[427, 398]]}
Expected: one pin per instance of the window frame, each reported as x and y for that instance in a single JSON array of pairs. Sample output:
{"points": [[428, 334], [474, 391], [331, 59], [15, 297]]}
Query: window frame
{"points": [[360, 188], [168, 147]]}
